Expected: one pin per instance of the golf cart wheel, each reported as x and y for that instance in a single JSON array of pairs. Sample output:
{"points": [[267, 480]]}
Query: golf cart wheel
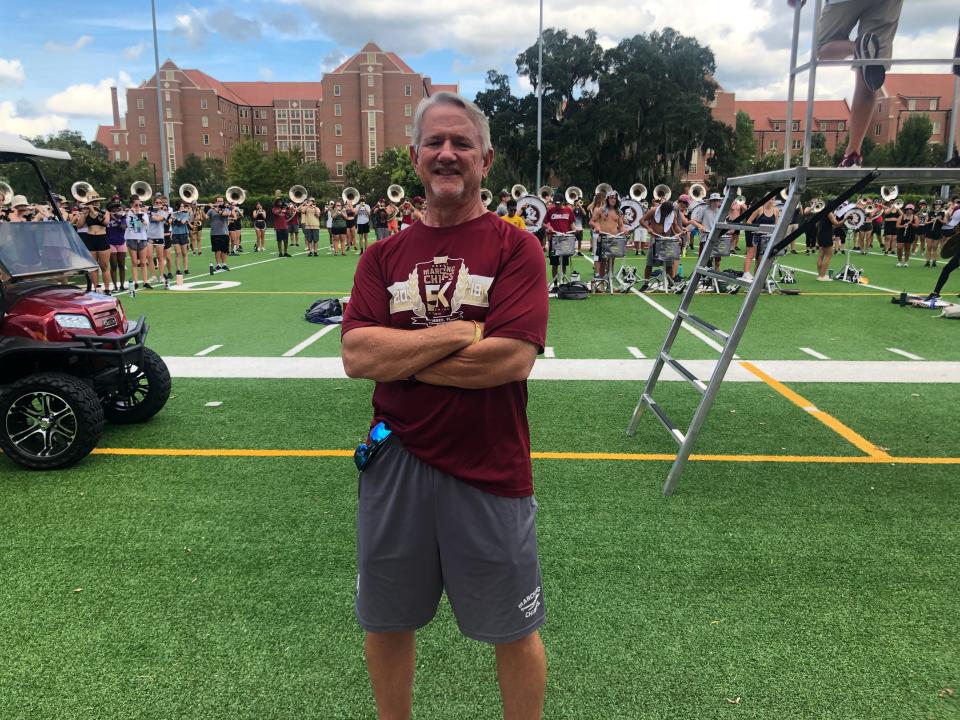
{"points": [[144, 392], [49, 421]]}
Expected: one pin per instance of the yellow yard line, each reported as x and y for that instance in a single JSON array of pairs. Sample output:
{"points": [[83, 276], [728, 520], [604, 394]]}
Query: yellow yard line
{"points": [[831, 422], [630, 457]]}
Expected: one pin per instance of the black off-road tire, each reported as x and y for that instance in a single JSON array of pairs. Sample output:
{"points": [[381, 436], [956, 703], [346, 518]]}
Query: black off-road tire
{"points": [[68, 407], [153, 392]]}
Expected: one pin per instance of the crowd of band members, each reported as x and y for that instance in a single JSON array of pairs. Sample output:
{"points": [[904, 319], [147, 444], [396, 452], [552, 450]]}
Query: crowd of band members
{"points": [[159, 238]]}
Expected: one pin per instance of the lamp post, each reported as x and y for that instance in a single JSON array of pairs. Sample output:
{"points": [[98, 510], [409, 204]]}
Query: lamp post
{"points": [[540, 95], [164, 160]]}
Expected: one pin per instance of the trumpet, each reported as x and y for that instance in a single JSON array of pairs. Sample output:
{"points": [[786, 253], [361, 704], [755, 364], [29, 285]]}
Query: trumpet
{"points": [[697, 192], [235, 195], [662, 193], [395, 193], [603, 188], [140, 188], [6, 193], [545, 193], [638, 191], [298, 194], [350, 195], [818, 205], [573, 194], [518, 191], [81, 191], [889, 192], [486, 197], [188, 193]]}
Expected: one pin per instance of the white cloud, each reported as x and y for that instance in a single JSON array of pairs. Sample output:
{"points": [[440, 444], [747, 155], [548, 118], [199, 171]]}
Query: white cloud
{"points": [[134, 51], [12, 122], [191, 27], [11, 72], [79, 44], [87, 100], [199, 24], [266, 73]]}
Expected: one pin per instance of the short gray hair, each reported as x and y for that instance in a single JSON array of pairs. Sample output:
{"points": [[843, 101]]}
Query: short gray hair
{"points": [[475, 114]]}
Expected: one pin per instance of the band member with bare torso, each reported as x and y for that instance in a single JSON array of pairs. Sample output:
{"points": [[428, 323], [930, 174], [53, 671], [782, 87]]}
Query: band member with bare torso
{"points": [[661, 221], [607, 219]]}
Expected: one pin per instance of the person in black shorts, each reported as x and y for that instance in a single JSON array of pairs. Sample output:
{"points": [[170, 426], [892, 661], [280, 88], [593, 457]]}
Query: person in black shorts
{"points": [[906, 233], [824, 235], [890, 216], [233, 230], [219, 216], [259, 217]]}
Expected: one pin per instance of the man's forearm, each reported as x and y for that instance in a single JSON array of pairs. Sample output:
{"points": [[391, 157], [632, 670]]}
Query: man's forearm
{"points": [[489, 363], [386, 354]]}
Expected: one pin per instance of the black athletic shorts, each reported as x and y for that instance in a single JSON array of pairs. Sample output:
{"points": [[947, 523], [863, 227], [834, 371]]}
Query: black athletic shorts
{"points": [[220, 243], [282, 235], [363, 228], [95, 243], [352, 223], [179, 239]]}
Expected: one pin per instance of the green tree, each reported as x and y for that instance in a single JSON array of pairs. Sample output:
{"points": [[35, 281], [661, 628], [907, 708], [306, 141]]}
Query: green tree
{"points": [[282, 168], [207, 175], [315, 177], [911, 148], [745, 143], [248, 169]]}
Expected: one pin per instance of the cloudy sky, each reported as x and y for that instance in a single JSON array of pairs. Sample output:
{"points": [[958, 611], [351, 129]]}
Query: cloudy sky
{"points": [[59, 58]]}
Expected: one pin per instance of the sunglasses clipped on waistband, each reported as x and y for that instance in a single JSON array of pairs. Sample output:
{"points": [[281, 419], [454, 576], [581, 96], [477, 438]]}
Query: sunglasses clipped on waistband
{"points": [[367, 450]]}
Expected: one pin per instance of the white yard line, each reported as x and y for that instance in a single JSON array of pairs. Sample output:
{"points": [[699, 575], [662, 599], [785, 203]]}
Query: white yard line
{"points": [[636, 353], [309, 341], [215, 403], [548, 352], [904, 353], [207, 351], [814, 353], [625, 369], [692, 330]]}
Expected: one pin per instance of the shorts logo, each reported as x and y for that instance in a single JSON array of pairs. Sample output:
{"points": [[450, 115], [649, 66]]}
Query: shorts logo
{"points": [[529, 605]]}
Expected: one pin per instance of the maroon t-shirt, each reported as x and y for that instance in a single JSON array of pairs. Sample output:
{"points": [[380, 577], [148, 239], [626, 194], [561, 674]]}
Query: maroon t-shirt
{"points": [[280, 219], [485, 270], [560, 219]]}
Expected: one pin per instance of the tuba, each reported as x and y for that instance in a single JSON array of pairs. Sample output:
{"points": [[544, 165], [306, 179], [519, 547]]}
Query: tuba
{"points": [[818, 205], [486, 197], [898, 204], [889, 192], [188, 193], [6, 193], [662, 193], [141, 189], [697, 192], [573, 194], [395, 193], [235, 195], [870, 209], [545, 193], [350, 195], [518, 191], [82, 190], [638, 192], [298, 194], [602, 188]]}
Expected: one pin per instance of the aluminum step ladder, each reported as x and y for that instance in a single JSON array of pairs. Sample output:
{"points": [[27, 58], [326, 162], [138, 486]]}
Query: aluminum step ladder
{"points": [[779, 237]]}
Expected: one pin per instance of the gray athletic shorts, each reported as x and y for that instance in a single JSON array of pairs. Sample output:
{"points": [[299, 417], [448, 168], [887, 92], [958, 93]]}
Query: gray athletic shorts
{"points": [[420, 532], [879, 17]]}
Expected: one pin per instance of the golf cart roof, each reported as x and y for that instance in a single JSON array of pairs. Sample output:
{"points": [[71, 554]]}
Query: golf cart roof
{"points": [[14, 148]]}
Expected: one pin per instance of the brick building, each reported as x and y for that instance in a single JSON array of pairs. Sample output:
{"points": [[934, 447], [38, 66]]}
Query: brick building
{"points": [[905, 94], [354, 113]]}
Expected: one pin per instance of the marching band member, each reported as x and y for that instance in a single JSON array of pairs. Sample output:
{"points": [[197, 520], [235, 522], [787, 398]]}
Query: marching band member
{"points": [[605, 218], [560, 219], [219, 217], [951, 232], [196, 229], [116, 231], [766, 215], [906, 232], [662, 220], [137, 221], [280, 227], [310, 220], [180, 236], [259, 217], [935, 233], [363, 222]]}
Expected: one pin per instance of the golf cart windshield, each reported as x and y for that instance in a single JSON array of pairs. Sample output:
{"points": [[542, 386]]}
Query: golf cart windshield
{"points": [[34, 249]]}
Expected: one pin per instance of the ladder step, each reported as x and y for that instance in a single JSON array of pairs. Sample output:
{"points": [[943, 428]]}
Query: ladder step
{"points": [[697, 383], [722, 277], [704, 325], [666, 421], [762, 229]]}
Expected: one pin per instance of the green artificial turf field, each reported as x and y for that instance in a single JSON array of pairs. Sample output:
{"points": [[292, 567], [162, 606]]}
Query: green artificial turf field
{"points": [[203, 565]]}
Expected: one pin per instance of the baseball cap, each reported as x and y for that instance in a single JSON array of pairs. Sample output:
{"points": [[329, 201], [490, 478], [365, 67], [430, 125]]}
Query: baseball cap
{"points": [[684, 199], [909, 207]]}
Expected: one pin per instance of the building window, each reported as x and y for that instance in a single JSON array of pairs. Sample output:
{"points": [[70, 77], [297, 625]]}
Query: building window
{"points": [[281, 114], [311, 145], [933, 104], [773, 144], [206, 139], [309, 114], [371, 100], [911, 104], [936, 127], [264, 146], [840, 125], [204, 121], [336, 91], [337, 110], [168, 75], [408, 130], [776, 127], [282, 129], [143, 156], [877, 129], [260, 114], [295, 129], [141, 121], [203, 104], [339, 152], [692, 168], [283, 145], [797, 144], [245, 129], [338, 129], [408, 110], [371, 58], [143, 138], [116, 155], [139, 103], [244, 112], [408, 90], [294, 114], [166, 96], [369, 80], [261, 129], [824, 127], [169, 113], [796, 125], [339, 169], [116, 138], [309, 129]]}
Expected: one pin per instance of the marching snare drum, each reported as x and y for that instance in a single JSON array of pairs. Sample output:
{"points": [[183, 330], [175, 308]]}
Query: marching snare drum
{"points": [[668, 249], [563, 244], [613, 246]]}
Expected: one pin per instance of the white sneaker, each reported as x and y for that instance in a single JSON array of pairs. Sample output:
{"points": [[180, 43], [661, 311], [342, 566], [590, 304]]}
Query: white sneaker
{"points": [[823, 278], [906, 264], [747, 277]]}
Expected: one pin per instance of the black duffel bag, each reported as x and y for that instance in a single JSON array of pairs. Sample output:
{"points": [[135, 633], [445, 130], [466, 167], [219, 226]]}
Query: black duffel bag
{"points": [[573, 291]]}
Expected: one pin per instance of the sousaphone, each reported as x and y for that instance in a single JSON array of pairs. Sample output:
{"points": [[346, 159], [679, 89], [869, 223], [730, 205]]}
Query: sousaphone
{"points": [[395, 193]]}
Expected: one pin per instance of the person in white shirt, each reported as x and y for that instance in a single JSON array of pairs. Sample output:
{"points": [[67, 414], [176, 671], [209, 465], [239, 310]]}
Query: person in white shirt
{"points": [[138, 220], [704, 217], [363, 222]]}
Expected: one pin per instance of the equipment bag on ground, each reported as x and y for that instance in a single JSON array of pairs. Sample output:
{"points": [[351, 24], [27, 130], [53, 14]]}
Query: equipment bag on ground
{"points": [[325, 312]]}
